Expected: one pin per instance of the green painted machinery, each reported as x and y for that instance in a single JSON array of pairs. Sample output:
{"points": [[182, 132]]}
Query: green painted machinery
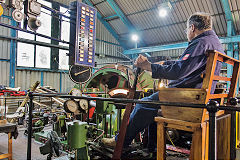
{"points": [[76, 134], [77, 137]]}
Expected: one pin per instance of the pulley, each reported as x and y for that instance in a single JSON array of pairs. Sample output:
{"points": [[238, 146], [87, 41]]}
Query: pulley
{"points": [[34, 23], [17, 15]]}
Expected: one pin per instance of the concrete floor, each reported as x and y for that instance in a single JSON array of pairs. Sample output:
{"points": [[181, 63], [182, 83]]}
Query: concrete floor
{"points": [[20, 147]]}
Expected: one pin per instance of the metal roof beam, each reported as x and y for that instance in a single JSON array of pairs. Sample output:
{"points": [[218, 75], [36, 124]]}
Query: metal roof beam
{"points": [[123, 18], [107, 25], [110, 17], [120, 14], [231, 31], [156, 48], [100, 2], [231, 39], [229, 17]]}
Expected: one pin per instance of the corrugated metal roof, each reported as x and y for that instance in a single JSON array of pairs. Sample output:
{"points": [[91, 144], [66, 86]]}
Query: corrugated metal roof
{"points": [[235, 8], [156, 30], [4, 72], [132, 6], [105, 9], [119, 26], [98, 1], [143, 14]]}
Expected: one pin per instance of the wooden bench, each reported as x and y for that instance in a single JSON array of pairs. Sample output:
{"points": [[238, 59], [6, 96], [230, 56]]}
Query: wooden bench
{"points": [[196, 120], [9, 129]]}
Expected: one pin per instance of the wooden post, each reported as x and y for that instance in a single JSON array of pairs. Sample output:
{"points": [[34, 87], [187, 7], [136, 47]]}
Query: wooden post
{"points": [[9, 146], [196, 150], [161, 142]]}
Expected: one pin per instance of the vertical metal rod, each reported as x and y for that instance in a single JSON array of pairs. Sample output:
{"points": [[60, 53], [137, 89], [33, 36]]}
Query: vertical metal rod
{"points": [[110, 125], [12, 55], [212, 136], [30, 126], [5, 104], [104, 124], [136, 45], [120, 118], [60, 81], [128, 78], [88, 112], [51, 102], [97, 121]]}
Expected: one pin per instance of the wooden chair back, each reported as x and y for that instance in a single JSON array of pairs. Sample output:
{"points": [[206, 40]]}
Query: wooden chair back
{"points": [[202, 95]]}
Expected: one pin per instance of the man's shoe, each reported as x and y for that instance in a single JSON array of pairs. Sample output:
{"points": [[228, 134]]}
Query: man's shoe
{"points": [[109, 142]]}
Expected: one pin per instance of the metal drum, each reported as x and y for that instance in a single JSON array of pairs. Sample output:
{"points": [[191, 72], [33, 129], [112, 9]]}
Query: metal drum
{"points": [[76, 134], [118, 76]]}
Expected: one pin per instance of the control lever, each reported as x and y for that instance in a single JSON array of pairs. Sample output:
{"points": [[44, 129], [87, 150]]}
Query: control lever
{"points": [[118, 149]]}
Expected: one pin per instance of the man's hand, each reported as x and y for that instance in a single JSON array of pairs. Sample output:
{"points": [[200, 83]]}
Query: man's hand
{"points": [[143, 63]]}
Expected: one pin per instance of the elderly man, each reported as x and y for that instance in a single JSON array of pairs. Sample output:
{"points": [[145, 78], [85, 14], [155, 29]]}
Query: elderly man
{"points": [[183, 73]]}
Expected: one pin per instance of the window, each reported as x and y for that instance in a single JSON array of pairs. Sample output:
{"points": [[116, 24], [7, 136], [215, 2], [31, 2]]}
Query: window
{"points": [[65, 26], [25, 55], [42, 57], [45, 19], [63, 59], [65, 34], [29, 55]]}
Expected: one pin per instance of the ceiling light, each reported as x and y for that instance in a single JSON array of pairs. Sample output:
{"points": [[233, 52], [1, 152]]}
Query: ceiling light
{"points": [[164, 8], [162, 12], [135, 37]]}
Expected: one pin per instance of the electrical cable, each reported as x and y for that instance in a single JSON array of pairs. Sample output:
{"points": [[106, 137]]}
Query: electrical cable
{"points": [[170, 139], [99, 135], [52, 10], [62, 20]]}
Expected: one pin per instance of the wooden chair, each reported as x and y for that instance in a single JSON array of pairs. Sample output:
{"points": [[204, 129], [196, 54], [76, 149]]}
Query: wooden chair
{"points": [[196, 120]]}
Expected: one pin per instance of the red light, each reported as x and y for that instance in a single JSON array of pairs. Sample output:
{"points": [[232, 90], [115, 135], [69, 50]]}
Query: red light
{"points": [[91, 30]]}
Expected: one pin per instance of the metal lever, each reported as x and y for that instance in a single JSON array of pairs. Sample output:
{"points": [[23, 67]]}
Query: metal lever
{"points": [[118, 149]]}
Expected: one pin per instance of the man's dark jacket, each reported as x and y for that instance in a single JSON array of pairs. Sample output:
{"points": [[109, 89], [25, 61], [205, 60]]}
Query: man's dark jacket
{"points": [[186, 72]]}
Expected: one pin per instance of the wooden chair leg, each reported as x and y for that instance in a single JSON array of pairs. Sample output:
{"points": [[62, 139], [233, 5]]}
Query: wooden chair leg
{"points": [[161, 142], [204, 134], [10, 146], [196, 147], [207, 141]]}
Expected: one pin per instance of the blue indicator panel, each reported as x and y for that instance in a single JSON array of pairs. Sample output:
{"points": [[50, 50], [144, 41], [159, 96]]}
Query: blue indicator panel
{"points": [[85, 34]]}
